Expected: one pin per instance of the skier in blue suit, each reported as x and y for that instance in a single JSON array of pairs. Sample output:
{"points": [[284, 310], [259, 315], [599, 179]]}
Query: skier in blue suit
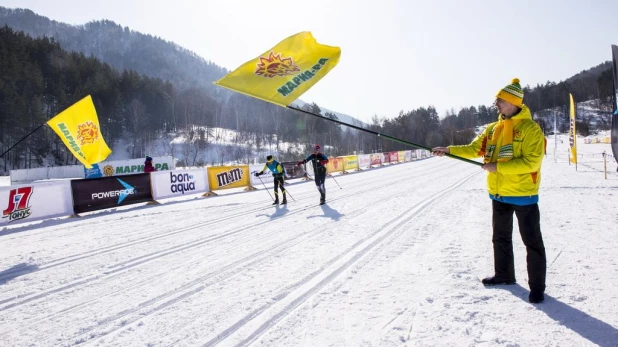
{"points": [[279, 174]]}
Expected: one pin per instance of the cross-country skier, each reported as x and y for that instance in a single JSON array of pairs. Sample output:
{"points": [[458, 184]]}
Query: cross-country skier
{"points": [[319, 161], [278, 173]]}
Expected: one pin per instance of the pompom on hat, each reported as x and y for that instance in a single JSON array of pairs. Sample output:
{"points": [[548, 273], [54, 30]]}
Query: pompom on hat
{"points": [[316, 147], [512, 93]]}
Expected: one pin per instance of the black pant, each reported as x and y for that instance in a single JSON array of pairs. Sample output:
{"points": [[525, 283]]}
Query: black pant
{"points": [[528, 219], [320, 177], [279, 185]]}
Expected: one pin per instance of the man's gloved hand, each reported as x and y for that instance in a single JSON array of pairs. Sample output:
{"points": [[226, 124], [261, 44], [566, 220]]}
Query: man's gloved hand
{"points": [[257, 174], [324, 162], [299, 163]]}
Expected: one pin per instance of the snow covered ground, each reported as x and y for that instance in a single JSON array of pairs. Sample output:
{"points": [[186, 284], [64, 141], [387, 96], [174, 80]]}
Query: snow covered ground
{"points": [[393, 259]]}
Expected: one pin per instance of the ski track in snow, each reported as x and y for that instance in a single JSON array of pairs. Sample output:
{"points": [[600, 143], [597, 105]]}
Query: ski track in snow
{"points": [[392, 259]]}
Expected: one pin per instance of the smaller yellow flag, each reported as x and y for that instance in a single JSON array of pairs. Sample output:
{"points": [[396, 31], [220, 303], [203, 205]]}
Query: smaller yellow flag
{"points": [[284, 72], [78, 127]]}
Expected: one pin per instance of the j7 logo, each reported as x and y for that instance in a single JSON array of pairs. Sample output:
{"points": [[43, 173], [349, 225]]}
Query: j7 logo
{"points": [[19, 199]]}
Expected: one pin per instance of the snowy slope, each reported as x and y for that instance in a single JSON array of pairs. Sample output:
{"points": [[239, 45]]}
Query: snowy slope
{"points": [[393, 259]]}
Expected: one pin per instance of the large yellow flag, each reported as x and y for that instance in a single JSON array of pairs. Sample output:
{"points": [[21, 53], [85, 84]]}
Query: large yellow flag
{"points": [[284, 72], [78, 127], [572, 132]]}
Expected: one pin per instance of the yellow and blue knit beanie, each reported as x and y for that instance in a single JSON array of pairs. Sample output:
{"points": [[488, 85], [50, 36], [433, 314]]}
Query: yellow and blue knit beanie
{"points": [[512, 93]]}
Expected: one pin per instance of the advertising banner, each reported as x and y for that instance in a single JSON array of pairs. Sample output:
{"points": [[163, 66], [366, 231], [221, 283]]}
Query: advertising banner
{"points": [[408, 155], [25, 203], [128, 167], [350, 162], [401, 156], [364, 160], [334, 165], [394, 157], [107, 192], [386, 158], [224, 177], [167, 184], [267, 177], [292, 171], [376, 159]]}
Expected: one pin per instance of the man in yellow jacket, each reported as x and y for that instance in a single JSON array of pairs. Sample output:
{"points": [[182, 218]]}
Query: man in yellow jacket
{"points": [[512, 150]]}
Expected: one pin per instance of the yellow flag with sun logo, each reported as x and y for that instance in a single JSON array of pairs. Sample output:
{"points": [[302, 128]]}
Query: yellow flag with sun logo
{"points": [[78, 127], [284, 72]]}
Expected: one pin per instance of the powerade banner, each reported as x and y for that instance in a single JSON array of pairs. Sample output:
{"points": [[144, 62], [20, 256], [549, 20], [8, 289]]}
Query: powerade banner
{"points": [[350, 162], [109, 192], [128, 167], [401, 156], [223, 177], [614, 133], [334, 165], [25, 203], [168, 184]]}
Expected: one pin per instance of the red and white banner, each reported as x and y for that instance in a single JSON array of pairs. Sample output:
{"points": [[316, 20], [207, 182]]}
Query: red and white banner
{"points": [[25, 203], [386, 157], [394, 157]]}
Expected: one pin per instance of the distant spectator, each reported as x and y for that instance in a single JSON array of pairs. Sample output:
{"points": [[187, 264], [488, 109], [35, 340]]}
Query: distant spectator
{"points": [[148, 167]]}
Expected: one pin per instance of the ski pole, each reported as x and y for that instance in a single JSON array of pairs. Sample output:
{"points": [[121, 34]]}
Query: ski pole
{"points": [[265, 187], [335, 181], [286, 190], [288, 193]]}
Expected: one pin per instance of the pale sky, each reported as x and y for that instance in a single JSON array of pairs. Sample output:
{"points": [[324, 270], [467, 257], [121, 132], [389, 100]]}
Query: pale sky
{"points": [[396, 54]]}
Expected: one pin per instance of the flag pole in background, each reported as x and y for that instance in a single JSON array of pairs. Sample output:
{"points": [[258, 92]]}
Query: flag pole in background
{"points": [[23, 138], [283, 73]]}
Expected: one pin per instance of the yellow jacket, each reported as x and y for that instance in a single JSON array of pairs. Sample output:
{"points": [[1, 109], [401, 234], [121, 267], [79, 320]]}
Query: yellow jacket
{"points": [[520, 177]]}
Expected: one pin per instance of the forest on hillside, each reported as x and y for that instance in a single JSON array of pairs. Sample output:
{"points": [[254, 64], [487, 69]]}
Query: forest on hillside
{"points": [[39, 77]]}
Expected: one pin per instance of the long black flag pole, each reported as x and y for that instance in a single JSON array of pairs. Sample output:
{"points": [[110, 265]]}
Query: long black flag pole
{"points": [[382, 135], [25, 137]]}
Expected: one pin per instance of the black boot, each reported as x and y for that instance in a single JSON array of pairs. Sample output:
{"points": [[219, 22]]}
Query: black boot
{"points": [[285, 200], [495, 281], [276, 202], [322, 199], [536, 297]]}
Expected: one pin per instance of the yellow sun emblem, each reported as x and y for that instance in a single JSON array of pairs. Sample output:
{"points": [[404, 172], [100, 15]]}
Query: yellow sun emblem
{"points": [[108, 170], [517, 135], [275, 65], [87, 133]]}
